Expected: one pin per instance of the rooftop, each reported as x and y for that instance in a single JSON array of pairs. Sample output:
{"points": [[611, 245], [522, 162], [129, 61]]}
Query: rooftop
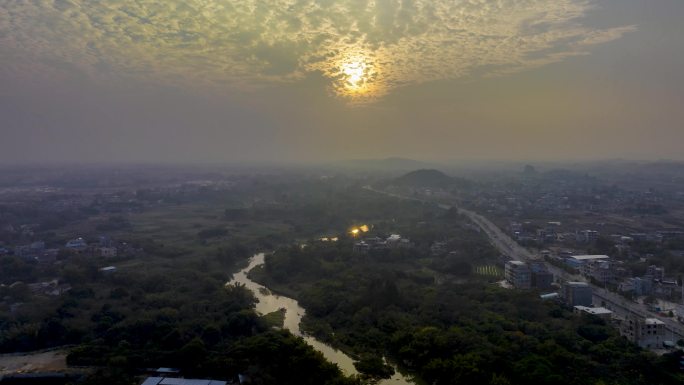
{"points": [[594, 310], [180, 381], [653, 321], [589, 257]]}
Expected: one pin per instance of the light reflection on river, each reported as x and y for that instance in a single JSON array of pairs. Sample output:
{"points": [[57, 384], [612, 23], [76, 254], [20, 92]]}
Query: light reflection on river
{"points": [[269, 302]]}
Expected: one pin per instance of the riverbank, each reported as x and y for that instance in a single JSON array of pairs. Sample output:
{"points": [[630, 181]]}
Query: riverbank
{"points": [[270, 299], [308, 325]]}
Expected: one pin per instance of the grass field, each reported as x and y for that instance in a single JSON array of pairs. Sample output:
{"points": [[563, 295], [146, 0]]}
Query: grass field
{"points": [[489, 271]]}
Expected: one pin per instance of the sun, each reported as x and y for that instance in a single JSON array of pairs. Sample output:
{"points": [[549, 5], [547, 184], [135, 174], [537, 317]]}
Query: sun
{"points": [[354, 74]]}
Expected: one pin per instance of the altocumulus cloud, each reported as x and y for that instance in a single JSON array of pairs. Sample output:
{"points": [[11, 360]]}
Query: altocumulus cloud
{"points": [[365, 48]]}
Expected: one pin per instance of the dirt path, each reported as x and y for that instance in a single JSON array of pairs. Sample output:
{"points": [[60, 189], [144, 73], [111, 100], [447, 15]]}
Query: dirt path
{"points": [[51, 361]]}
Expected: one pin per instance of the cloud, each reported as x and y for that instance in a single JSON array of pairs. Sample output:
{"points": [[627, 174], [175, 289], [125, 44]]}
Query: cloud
{"points": [[255, 42]]}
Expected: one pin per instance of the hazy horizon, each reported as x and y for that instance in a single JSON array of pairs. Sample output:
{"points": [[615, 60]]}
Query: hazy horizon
{"points": [[306, 82]]}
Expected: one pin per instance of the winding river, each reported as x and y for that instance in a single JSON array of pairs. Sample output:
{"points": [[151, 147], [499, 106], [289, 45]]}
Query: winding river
{"points": [[269, 302]]}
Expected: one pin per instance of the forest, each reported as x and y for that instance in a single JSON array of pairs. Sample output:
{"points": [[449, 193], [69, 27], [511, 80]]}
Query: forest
{"points": [[458, 331]]}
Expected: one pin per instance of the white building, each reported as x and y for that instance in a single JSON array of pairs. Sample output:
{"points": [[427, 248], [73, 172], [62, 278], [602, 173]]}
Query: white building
{"points": [[648, 333], [576, 261], [600, 312], [518, 274]]}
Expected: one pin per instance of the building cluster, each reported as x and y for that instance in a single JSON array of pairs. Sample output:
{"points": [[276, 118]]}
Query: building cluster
{"points": [[524, 275], [103, 247], [394, 241], [654, 283], [36, 251], [648, 333], [51, 288], [599, 268]]}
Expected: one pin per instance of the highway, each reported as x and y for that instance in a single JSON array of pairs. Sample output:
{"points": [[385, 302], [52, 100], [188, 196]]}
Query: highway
{"points": [[506, 245]]}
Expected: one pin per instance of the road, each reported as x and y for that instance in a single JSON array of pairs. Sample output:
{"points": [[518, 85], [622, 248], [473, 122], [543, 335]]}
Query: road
{"points": [[506, 245]]}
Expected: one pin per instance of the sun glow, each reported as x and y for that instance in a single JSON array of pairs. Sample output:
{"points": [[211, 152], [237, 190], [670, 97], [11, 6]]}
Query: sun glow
{"points": [[354, 73], [356, 76]]}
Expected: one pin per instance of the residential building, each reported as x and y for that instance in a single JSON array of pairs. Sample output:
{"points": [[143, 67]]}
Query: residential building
{"points": [[518, 274], [541, 277], [646, 332], [577, 293], [108, 252], [639, 286], [396, 241], [586, 236], [361, 247], [656, 272], [600, 270], [77, 244]]}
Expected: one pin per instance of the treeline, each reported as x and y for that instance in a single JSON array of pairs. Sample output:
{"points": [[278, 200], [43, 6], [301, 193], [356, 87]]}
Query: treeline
{"points": [[468, 332]]}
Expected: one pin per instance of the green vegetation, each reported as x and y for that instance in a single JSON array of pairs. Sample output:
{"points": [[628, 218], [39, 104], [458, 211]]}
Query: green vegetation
{"points": [[435, 312], [455, 332], [274, 319], [490, 271], [168, 313]]}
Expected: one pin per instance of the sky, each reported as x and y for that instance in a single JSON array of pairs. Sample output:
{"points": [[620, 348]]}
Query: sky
{"points": [[310, 81]]}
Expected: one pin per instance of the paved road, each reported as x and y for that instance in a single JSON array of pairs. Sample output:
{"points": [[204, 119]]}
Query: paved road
{"points": [[508, 246]]}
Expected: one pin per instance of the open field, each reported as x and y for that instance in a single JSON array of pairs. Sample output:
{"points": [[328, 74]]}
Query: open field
{"points": [[50, 361]]}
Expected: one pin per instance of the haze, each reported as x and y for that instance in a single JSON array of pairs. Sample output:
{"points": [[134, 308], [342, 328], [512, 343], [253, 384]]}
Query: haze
{"points": [[301, 81]]}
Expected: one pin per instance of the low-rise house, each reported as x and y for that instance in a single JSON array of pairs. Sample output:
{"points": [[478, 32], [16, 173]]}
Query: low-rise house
{"points": [[361, 247], [667, 288], [78, 244], [656, 272], [396, 241], [600, 312]]}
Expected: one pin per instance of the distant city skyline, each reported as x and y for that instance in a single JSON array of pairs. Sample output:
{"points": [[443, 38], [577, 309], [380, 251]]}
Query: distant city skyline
{"points": [[319, 81]]}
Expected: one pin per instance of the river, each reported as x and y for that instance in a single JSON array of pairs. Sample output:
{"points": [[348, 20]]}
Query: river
{"points": [[269, 302]]}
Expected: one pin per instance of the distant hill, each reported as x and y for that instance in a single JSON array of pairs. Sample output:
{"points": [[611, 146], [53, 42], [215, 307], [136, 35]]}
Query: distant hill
{"points": [[424, 178], [386, 164]]}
